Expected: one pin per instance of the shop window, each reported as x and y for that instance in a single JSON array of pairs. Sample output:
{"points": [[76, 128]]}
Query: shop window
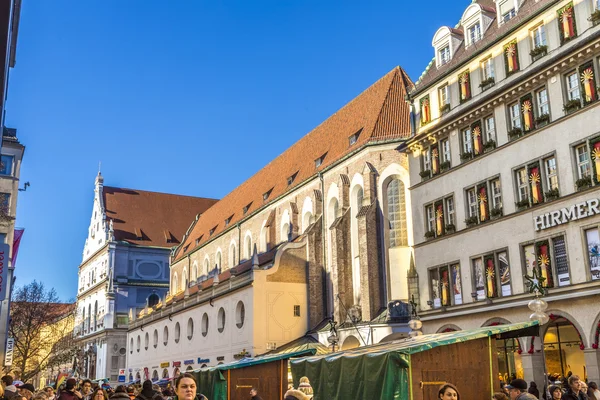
{"points": [[491, 275], [549, 256], [593, 252], [446, 287]]}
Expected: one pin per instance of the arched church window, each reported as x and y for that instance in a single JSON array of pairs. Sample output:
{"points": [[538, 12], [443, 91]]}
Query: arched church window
{"points": [[396, 213]]}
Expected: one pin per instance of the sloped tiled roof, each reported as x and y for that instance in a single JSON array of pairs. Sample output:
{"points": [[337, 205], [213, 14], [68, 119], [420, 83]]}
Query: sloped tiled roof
{"points": [[379, 113], [491, 36], [150, 218]]}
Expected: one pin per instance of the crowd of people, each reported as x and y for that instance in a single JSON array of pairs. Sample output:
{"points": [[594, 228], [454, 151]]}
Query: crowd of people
{"points": [[517, 389]]}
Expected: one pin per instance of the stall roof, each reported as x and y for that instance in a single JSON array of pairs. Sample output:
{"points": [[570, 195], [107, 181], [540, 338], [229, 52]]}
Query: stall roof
{"points": [[247, 362], [426, 342]]}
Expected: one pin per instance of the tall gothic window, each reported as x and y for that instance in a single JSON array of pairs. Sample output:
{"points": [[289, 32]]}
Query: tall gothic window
{"points": [[96, 314], [396, 213]]}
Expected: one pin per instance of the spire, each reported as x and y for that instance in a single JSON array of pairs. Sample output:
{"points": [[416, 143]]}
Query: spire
{"points": [[412, 270], [255, 263]]}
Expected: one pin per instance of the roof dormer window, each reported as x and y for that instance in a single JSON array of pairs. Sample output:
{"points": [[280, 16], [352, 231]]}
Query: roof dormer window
{"points": [[228, 221], [291, 179], [509, 15], [444, 55], [267, 194], [319, 161], [212, 231], [475, 33], [246, 208]]}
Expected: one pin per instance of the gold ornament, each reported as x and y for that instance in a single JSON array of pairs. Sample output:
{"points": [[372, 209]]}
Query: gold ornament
{"points": [[482, 198], [587, 75], [543, 260], [534, 178]]}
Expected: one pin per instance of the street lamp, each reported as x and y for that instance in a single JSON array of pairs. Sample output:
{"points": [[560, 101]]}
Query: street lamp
{"points": [[415, 323], [333, 337], [537, 305]]}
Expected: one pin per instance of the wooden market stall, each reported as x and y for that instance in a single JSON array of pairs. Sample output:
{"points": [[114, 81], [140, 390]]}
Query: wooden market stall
{"points": [[233, 381], [413, 368]]}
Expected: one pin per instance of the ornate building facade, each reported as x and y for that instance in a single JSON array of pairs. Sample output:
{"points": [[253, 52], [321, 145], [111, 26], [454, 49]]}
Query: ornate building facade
{"points": [[504, 168], [125, 266], [320, 233]]}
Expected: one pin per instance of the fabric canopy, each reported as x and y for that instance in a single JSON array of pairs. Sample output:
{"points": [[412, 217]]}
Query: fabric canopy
{"points": [[380, 371]]}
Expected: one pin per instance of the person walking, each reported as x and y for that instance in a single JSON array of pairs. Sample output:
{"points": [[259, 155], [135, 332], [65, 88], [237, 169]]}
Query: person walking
{"points": [[148, 392], [574, 391], [533, 389], [593, 391], [9, 389], [186, 388], [448, 392], [70, 393], [120, 393], [517, 390]]}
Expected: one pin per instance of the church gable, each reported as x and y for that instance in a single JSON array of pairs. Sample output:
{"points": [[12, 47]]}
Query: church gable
{"points": [[98, 229]]}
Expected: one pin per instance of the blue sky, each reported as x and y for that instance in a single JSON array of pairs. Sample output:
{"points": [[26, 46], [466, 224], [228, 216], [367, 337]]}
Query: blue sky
{"points": [[188, 97]]}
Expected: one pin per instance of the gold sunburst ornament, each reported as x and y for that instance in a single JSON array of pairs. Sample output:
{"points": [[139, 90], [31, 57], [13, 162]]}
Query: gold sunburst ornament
{"points": [[534, 178], [587, 79], [477, 132], [528, 114], [566, 18], [511, 51], [543, 261], [482, 198]]}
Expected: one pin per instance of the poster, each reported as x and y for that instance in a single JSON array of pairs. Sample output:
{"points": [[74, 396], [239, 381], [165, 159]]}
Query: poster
{"points": [[504, 270], [456, 284], [530, 261], [479, 278], [593, 243], [435, 288], [561, 262]]}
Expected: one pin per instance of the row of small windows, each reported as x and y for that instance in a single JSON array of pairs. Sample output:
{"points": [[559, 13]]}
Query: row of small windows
{"points": [[539, 48], [240, 318]]}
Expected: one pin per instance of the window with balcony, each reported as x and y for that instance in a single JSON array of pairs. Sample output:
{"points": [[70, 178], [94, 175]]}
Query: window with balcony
{"points": [[515, 116], [587, 161], [536, 182], [445, 285], [439, 217], [539, 46], [491, 275], [489, 125], [467, 144], [549, 256], [445, 152], [484, 201]]}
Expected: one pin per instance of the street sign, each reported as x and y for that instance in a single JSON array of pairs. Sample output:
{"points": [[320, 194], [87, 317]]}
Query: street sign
{"points": [[8, 357], [121, 378], [122, 372]]}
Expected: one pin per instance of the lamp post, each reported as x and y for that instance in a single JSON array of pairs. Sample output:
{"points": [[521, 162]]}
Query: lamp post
{"points": [[333, 337], [539, 307], [415, 323]]}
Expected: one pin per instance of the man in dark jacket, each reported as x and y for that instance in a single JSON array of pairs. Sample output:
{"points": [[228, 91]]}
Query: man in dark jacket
{"points": [[148, 392], [120, 393], [517, 390], [254, 394], [70, 393], [574, 391]]}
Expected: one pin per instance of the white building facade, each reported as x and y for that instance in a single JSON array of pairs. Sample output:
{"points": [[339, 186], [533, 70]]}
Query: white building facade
{"points": [[125, 265], [504, 174], [324, 225]]}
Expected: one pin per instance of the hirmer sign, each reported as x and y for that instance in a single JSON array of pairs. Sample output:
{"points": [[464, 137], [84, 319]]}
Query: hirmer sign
{"points": [[577, 211]]}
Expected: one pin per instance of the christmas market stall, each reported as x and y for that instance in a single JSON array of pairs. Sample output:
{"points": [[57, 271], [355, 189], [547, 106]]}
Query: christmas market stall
{"points": [[233, 381], [413, 368]]}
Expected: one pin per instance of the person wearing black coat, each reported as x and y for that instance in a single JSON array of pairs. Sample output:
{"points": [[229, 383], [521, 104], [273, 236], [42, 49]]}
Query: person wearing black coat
{"points": [[574, 391], [533, 390], [148, 393]]}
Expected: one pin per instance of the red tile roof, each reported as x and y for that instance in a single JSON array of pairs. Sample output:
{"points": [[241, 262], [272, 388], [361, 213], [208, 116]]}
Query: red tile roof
{"points": [[150, 218], [378, 113]]}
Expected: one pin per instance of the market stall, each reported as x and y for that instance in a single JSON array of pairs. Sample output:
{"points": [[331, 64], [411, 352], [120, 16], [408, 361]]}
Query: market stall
{"points": [[413, 368]]}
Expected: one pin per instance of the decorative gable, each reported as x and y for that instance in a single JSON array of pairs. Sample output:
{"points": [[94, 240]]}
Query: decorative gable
{"points": [[445, 42], [99, 228]]}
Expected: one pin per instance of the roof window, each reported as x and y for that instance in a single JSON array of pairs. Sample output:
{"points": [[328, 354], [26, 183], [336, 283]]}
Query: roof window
{"points": [[354, 138], [228, 220], [212, 231], [292, 178], [185, 249], [267, 194], [246, 208], [319, 161]]}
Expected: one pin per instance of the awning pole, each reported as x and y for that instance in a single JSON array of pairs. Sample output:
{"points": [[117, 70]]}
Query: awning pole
{"points": [[410, 385], [491, 369]]}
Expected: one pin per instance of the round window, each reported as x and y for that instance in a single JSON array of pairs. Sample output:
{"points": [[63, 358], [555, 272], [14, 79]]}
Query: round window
{"points": [[240, 314], [177, 332], [155, 337], [190, 329], [205, 324], [146, 341], [221, 320]]}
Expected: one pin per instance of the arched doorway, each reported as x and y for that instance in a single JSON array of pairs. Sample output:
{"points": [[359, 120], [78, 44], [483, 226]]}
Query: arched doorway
{"points": [[176, 373], [351, 342], [165, 374], [155, 376], [189, 368], [510, 365], [563, 347], [138, 376]]}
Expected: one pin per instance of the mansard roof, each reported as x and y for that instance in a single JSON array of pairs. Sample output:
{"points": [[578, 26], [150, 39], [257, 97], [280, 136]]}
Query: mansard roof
{"points": [[491, 36], [150, 218], [378, 113]]}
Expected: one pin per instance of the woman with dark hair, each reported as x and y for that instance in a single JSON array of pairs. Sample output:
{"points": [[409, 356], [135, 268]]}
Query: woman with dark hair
{"points": [[186, 387], [448, 392], [533, 389], [555, 392]]}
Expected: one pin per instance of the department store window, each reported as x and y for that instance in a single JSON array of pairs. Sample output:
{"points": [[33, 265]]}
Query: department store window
{"points": [[445, 285], [491, 275], [592, 238], [549, 256], [444, 54], [514, 113], [582, 155], [440, 217], [490, 128], [573, 90], [467, 141], [444, 98], [541, 97], [538, 36], [487, 69], [445, 146]]}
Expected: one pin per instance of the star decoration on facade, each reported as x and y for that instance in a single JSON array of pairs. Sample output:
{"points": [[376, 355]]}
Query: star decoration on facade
{"points": [[482, 198], [536, 282], [587, 75], [490, 271], [527, 106], [543, 261], [534, 178], [477, 132], [596, 154], [510, 50]]}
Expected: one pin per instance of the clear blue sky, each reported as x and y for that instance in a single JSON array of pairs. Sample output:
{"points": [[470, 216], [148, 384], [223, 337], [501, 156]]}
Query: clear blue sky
{"points": [[188, 97]]}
